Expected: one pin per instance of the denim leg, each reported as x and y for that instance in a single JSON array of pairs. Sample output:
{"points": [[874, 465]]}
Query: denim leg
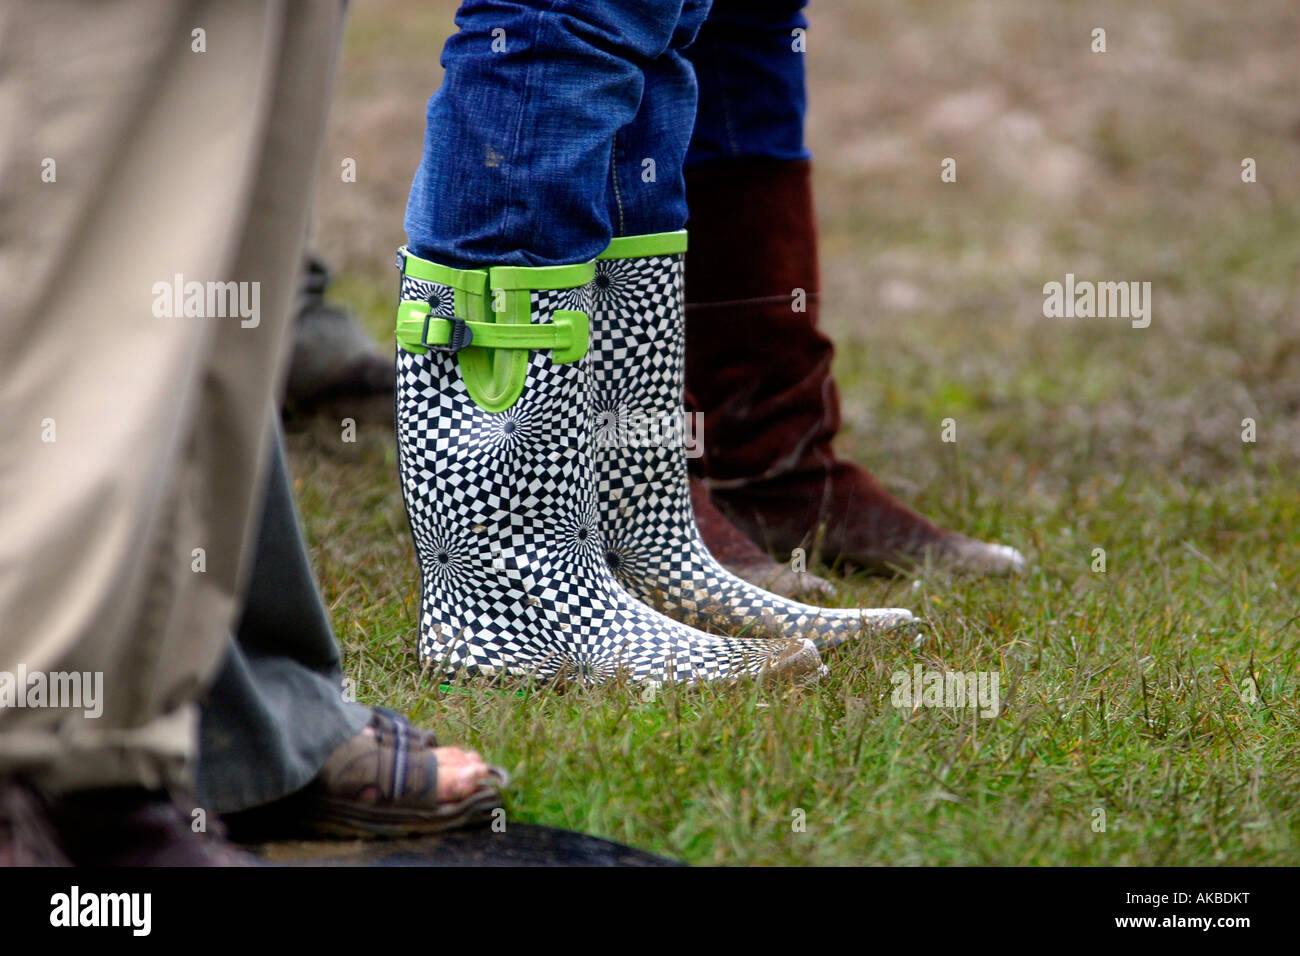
{"points": [[519, 142], [647, 191], [750, 70]]}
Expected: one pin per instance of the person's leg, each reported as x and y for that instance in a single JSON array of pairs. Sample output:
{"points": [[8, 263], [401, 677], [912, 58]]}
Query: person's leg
{"points": [[637, 361], [518, 144], [749, 63], [156, 423], [508, 210], [282, 752], [125, 542], [645, 190], [733, 120], [758, 366], [277, 709], [651, 198]]}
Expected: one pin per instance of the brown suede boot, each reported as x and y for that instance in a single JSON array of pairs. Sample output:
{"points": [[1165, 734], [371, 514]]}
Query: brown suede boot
{"points": [[743, 558], [760, 372]]}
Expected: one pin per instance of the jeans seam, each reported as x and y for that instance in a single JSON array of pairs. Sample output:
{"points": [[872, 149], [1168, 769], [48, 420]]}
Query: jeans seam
{"points": [[613, 175]]}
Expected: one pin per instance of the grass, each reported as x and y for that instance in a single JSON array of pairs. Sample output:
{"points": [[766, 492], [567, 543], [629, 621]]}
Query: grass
{"points": [[1122, 691]]}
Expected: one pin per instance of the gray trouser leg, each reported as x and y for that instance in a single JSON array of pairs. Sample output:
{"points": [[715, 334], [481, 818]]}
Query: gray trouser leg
{"points": [[277, 709]]}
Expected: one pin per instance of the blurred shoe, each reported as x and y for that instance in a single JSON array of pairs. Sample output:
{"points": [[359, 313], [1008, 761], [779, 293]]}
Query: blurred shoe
{"points": [[335, 366], [27, 836], [759, 370], [130, 826]]}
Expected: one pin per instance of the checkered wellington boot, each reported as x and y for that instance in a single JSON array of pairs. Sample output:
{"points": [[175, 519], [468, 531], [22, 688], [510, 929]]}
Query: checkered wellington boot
{"points": [[493, 396], [655, 549]]}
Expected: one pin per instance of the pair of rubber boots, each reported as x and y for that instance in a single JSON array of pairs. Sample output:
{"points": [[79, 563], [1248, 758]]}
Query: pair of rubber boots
{"points": [[543, 452]]}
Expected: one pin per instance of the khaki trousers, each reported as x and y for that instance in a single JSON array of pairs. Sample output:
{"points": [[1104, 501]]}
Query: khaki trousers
{"points": [[147, 144]]}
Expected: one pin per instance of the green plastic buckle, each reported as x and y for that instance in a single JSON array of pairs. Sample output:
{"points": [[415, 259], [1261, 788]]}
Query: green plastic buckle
{"points": [[567, 335], [493, 329]]}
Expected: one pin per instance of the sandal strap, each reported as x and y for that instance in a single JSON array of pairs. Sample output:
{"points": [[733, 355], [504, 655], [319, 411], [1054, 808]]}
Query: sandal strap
{"points": [[396, 759], [407, 765]]}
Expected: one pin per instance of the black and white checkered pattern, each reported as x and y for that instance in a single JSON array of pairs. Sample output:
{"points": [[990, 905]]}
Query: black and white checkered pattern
{"points": [[503, 511], [638, 366]]}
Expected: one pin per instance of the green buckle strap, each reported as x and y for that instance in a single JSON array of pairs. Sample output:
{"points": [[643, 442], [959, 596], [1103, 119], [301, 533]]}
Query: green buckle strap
{"points": [[492, 330], [567, 335]]}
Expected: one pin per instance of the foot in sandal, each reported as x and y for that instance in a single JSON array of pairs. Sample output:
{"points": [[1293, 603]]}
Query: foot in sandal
{"points": [[394, 780]]}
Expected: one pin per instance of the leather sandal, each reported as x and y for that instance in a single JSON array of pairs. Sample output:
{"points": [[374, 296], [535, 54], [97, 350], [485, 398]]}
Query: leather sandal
{"points": [[385, 784]]}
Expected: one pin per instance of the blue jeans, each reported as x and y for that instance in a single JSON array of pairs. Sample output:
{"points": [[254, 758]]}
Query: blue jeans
{"points": [[562, 124], [750, 71]]}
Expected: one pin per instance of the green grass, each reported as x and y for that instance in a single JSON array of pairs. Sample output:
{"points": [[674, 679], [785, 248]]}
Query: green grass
{"points": [[1122, 691]]}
